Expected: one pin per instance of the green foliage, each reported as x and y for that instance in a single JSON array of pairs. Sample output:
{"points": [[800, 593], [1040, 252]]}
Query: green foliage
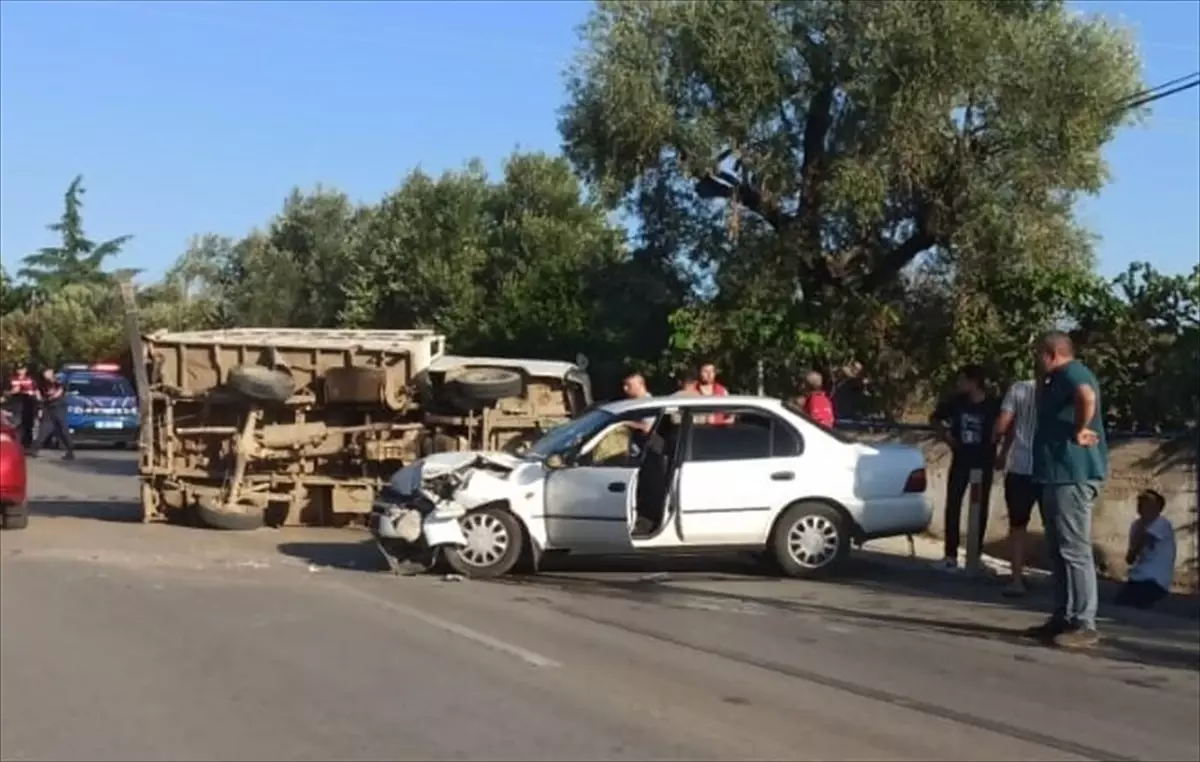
{"points": [[75, 323], [525, 266], [76, 259], [1142, 336], [13, 295], [861, 134]]}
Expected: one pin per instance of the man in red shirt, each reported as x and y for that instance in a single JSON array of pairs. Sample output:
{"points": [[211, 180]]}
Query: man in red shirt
{"points": [[23, 392], [817, 405], [710, 387]]}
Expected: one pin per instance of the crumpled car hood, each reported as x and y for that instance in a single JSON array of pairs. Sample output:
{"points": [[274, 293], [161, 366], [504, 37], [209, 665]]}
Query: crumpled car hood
{"points": [[408, 480]]}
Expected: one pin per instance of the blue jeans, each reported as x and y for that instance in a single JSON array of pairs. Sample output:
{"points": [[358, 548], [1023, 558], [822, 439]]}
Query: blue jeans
{"points": [[1067, 518]]}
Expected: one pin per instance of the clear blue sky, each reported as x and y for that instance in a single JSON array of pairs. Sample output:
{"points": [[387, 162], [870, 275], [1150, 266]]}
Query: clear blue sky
{"points": [[199, 117]]}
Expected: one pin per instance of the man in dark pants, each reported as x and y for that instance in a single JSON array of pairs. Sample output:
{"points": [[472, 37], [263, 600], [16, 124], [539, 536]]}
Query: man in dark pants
{"points": [[54, 416], [1070, 462], [967, 422]]}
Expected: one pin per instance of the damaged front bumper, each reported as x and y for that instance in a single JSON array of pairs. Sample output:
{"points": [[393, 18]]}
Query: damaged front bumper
{"points": [[422, 504], [417, 519]]}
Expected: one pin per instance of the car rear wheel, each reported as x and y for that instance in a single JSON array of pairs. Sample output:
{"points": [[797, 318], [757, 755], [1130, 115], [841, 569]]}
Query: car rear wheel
{"points": [[494, 543], [810, 540]]}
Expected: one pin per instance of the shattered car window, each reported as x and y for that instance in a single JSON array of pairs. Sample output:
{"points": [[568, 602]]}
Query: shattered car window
{"points": [[565, 437]]}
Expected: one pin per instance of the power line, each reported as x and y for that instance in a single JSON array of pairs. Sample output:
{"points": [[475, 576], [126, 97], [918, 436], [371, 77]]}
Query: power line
{"points": [[1156, 88], [1160, 94]]}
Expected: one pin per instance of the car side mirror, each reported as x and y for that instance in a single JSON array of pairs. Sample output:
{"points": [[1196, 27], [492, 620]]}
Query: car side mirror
{"points": [[555, 462]]}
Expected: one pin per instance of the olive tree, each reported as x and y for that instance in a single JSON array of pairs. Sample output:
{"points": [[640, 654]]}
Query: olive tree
{"points": [[861, 135]]}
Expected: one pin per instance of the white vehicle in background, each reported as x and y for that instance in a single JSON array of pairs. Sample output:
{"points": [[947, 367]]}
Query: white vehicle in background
{"points": [[653, 475]]}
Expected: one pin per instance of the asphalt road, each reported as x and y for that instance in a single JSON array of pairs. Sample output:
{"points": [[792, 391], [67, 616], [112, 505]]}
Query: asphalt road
{"points": [[127, 642]]}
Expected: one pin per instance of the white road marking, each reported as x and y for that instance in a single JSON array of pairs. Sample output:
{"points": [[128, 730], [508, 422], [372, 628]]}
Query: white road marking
{"points": [[532, 658]]}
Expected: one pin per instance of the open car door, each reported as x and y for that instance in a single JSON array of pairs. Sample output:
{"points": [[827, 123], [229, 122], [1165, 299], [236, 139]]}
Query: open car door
{"points": [[590, 499]]}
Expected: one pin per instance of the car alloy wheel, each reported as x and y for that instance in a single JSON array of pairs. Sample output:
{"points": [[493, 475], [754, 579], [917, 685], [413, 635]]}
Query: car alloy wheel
{"points": [[487, 539], [813, 541]]}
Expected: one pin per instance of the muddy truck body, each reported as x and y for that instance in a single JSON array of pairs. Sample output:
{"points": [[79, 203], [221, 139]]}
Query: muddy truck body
{"points": [[254, 426]]}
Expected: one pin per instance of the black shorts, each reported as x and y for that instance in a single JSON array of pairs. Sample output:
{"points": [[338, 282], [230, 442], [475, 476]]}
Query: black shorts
{"points": [[1020, 495]]}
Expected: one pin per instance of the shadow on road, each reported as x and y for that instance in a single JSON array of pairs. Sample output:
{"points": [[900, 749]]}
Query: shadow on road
{"points": [[100, 466], [359, 556], [896, 580], [98, 510], [1178, 652]]}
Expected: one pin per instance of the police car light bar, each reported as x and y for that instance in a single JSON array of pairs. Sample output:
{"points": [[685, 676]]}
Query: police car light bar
{"points": [[75, 366], [107, 367]]}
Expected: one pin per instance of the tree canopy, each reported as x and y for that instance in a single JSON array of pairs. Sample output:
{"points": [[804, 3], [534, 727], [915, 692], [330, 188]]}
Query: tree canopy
{"points": [[861, 135], [76, 259]]}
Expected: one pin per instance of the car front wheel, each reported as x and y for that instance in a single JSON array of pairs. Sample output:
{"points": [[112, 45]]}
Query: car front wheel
{"points": [[494, 541], [810, 540]]}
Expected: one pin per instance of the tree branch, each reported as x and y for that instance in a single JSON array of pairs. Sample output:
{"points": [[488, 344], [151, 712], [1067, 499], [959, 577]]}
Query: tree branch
{"points": [[817, 124], [893, 261]]}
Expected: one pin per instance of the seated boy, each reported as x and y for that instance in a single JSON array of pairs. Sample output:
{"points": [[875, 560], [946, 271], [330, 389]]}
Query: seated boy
{"points": [[1151, 554]]}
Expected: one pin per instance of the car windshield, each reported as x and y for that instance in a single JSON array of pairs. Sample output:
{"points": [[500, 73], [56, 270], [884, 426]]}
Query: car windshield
{"points": [[100, 387], [562, 438]]}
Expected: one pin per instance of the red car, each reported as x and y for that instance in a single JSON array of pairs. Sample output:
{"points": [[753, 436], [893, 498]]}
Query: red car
{"points": [[14, 513]]}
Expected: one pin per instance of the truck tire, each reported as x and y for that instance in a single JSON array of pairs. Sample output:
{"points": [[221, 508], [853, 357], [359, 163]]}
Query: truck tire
{"points": [[261, 384], [487, 385], [15, 517], [242, 518]]}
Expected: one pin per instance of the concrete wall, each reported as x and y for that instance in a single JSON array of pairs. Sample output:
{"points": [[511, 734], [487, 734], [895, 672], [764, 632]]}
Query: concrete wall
{"points": [[1167, 466]]}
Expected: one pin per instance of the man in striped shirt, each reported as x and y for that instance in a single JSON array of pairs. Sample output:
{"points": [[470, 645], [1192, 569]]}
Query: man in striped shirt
{"points": [[1014, 430]]}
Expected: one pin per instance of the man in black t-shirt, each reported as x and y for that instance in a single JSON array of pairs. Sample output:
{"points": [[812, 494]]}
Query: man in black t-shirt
{"points": [[54, 416], [967, 421]]}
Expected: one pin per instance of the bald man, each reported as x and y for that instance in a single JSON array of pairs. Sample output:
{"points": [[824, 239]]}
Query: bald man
{"points": [[1070, 465], [817, 404]]}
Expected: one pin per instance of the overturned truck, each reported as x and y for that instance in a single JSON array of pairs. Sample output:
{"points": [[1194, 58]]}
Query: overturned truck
{"points": [[246, 427]]}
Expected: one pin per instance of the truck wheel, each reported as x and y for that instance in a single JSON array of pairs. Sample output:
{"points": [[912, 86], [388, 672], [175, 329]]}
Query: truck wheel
{"points": [[261, 384], [242, 518], [810, 540], [487, 385], [15, 517], [494, 541]]}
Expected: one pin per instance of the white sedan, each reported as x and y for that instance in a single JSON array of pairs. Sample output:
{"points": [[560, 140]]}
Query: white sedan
{"points": [[658, 474]]}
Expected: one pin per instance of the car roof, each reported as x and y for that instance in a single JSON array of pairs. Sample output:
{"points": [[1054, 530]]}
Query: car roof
{"points": [[88, 375], [692, 400]]}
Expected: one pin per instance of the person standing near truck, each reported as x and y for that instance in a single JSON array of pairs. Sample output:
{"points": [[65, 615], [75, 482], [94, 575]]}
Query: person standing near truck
{"points": [[54, 416]]}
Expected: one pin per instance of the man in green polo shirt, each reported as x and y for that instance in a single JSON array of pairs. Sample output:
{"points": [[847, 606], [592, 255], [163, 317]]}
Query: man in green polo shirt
{"points": [[1070, 462]]}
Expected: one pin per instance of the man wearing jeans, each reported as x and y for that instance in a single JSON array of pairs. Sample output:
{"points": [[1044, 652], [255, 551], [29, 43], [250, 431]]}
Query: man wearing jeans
{"points": [[1070, 462]]}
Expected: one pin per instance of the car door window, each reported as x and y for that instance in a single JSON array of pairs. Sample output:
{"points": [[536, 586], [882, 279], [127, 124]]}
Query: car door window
{"points": [[623, 444], [612, 450], [745, 435]]}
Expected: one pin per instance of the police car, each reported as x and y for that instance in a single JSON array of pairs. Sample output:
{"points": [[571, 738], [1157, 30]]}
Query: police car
{"points": [[101, 404]]}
